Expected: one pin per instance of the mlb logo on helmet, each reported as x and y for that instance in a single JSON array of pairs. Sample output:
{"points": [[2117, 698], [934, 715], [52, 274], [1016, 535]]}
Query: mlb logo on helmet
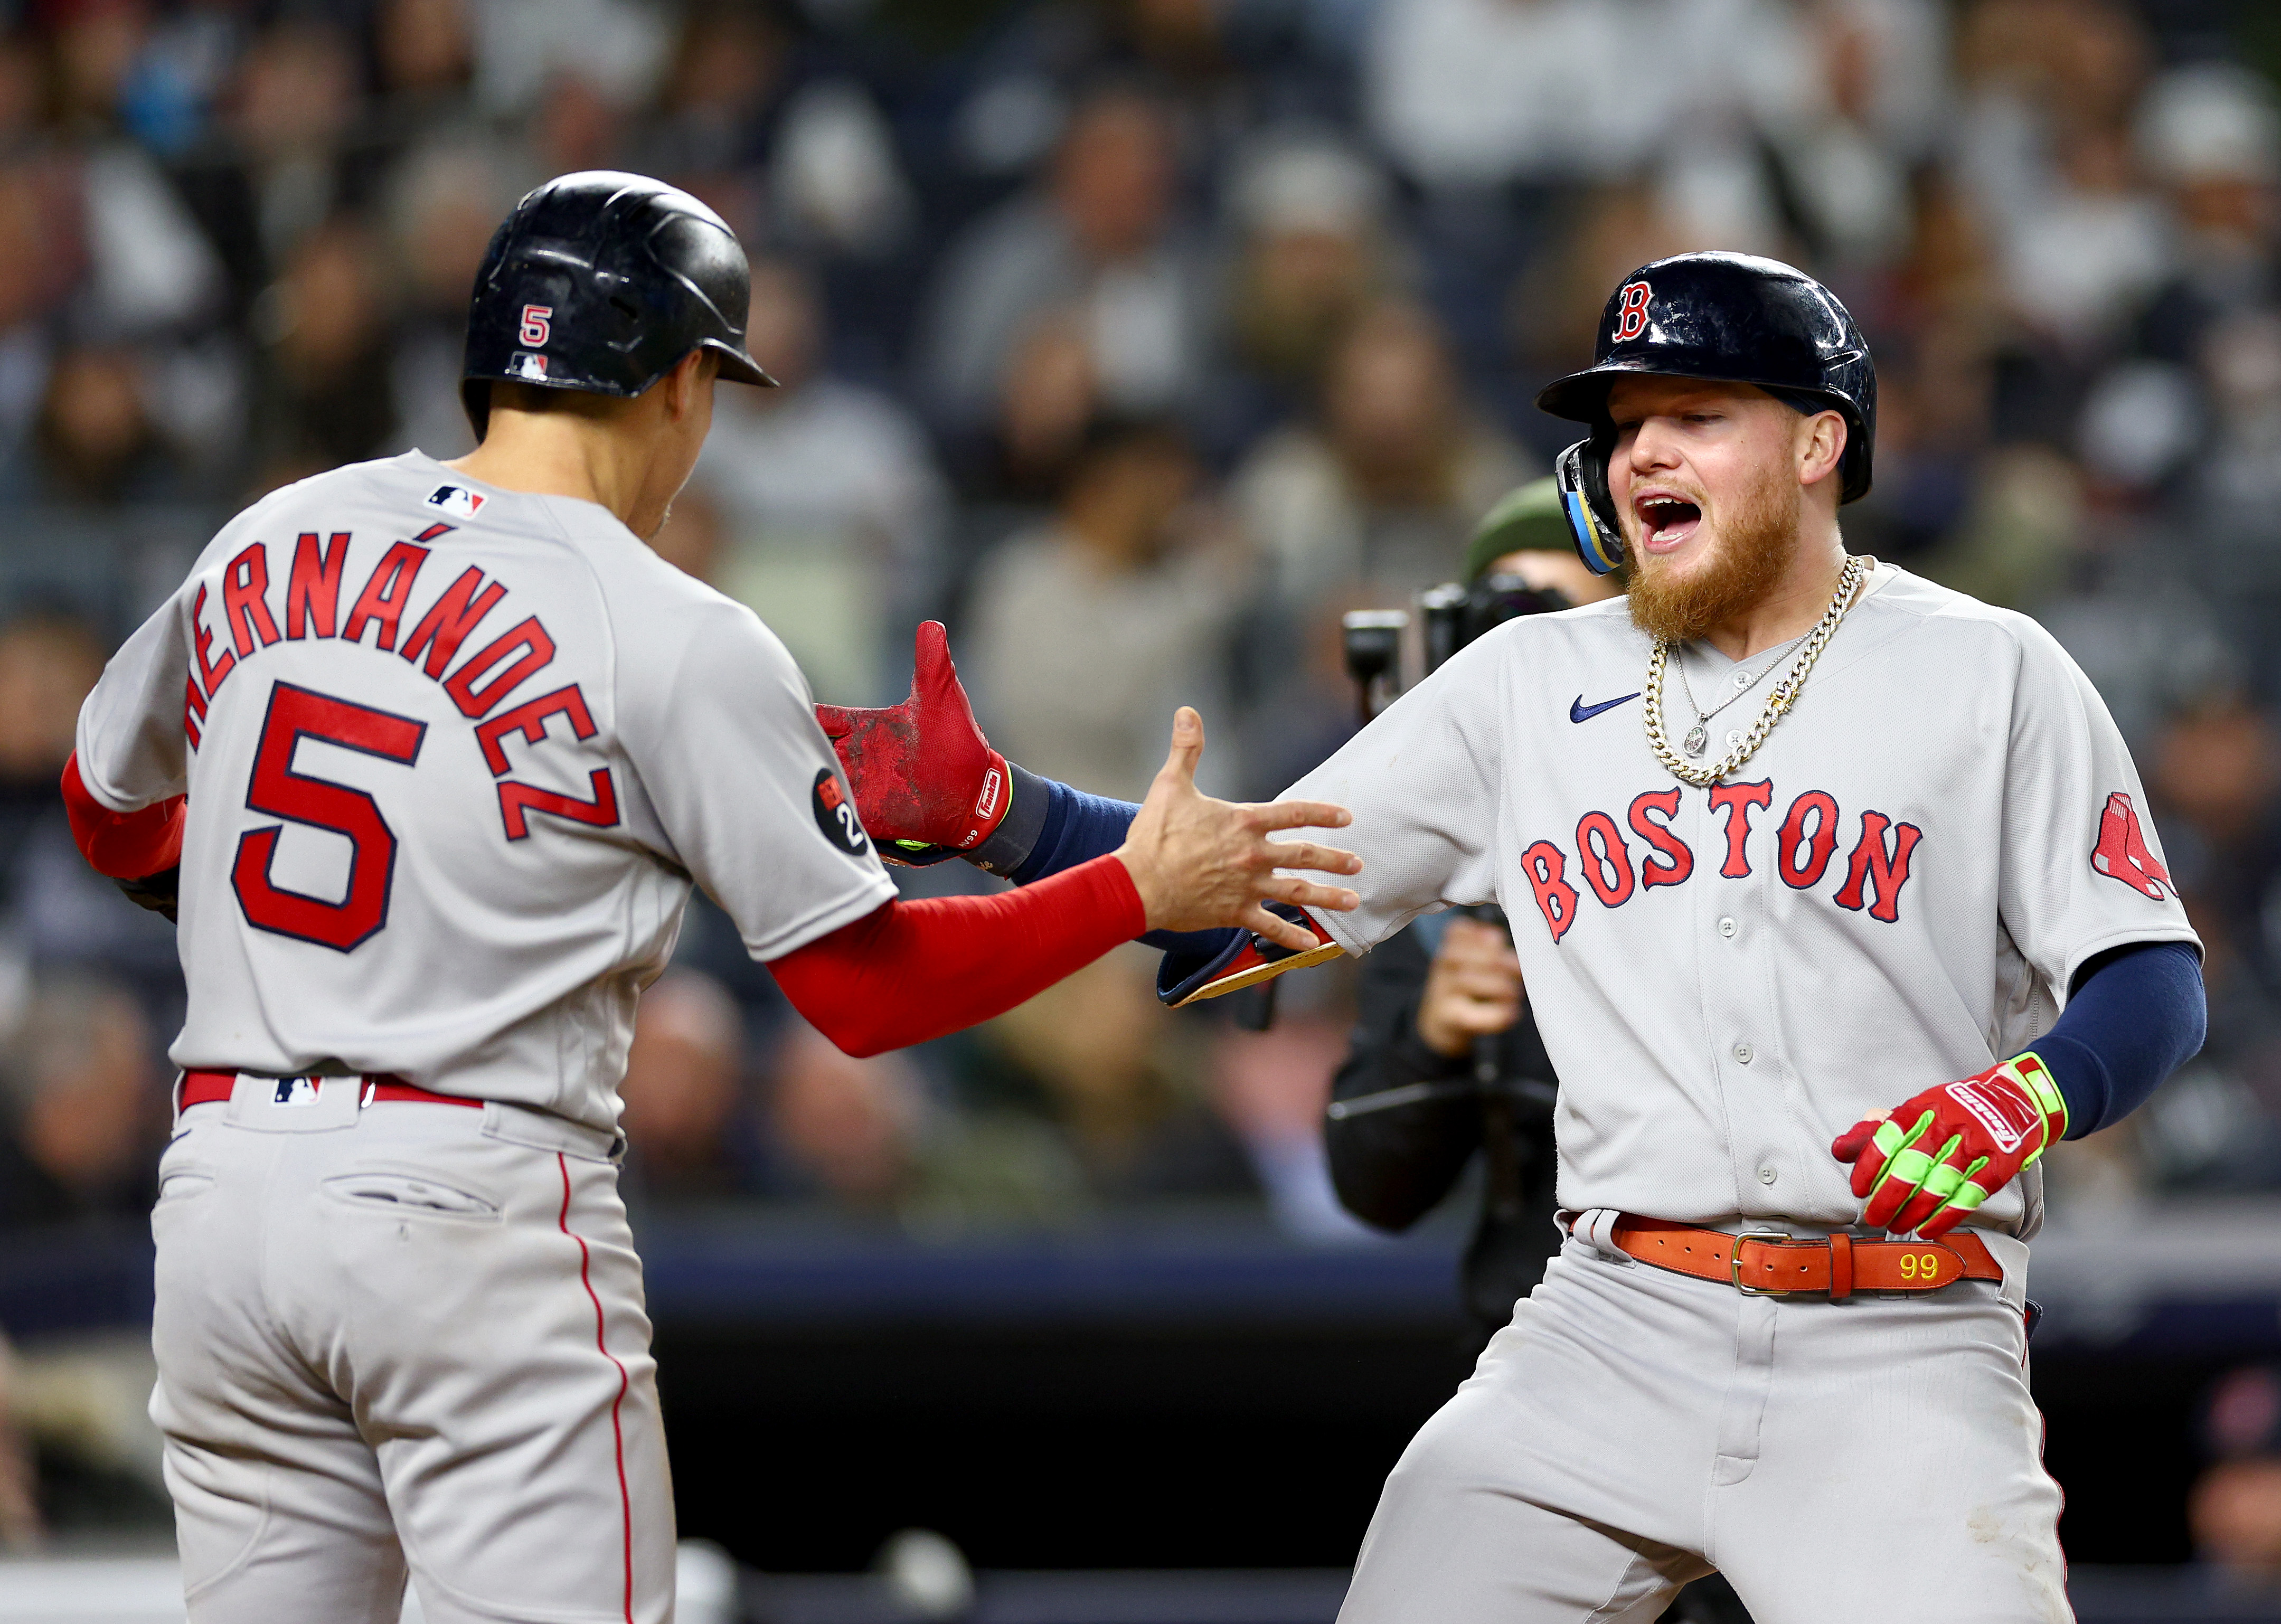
{"points": [[456, 499], [525, 365]]}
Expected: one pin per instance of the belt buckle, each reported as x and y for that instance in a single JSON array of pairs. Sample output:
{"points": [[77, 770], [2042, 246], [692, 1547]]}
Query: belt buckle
{"points": [[1735, 1261]]}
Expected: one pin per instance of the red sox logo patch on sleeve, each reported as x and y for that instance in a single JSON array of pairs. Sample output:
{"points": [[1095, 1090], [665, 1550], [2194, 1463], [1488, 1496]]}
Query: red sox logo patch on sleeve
{"points": [[2121, 851], [1631, 311]]}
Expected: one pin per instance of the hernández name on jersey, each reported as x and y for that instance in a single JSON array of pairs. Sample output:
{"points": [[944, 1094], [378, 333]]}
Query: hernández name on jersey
{"points": [[454, 768], [310, 607]]}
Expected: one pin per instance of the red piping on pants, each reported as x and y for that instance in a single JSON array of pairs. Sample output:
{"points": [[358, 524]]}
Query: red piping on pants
{"points": [[617, 1431]]}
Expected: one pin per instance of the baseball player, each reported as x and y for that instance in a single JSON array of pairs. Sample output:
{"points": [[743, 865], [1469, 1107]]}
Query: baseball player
{"points": [[456, 744], [1838, 905]]}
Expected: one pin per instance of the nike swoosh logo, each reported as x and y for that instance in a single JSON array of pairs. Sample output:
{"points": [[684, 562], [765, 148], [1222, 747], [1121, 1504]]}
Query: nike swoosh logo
{"points": [[1577, 711]]}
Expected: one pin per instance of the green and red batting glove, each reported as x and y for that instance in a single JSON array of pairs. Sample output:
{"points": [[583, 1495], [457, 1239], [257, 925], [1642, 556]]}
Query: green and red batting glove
{"points": [[1930, 1162]]}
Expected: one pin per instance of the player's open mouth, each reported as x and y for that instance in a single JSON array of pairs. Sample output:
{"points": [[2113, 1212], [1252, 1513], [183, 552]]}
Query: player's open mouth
{"points": [[1666, 521]]}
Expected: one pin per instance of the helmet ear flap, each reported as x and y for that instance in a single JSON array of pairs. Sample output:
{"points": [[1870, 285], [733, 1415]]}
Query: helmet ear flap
{"points": [[1581, 472]]}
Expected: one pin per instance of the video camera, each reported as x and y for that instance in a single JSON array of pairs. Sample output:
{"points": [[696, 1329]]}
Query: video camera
{"points": [[1449, 616], [1378, 647]]}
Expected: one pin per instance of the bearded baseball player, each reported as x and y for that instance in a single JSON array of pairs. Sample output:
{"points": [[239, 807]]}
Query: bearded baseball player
{"points": [[1838, 905], [432, 757]]}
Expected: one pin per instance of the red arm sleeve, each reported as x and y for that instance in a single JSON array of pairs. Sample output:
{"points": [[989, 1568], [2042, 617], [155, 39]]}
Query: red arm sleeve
{"points": [[910, 972], [122, 845]]}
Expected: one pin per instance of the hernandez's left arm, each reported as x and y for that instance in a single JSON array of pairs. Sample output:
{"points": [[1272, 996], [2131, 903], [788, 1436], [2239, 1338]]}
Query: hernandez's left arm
{"points": [[2087, 900], [124, 785], [140, 851]]}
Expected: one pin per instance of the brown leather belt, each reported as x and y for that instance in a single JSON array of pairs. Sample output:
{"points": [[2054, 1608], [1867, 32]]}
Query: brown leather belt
{"points": [[211, 1087], [1762, 1263]]}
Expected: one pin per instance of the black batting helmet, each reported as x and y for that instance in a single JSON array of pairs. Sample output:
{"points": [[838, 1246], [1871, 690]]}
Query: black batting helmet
{"points": [[1734, 318], [602, 282]]}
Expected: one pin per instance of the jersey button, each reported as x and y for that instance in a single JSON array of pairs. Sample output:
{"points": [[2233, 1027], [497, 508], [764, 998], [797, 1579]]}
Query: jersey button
{"points": [[1745, 1054], [1742, 679], [1733, 740], [1768, 1175], [1728, 927]]}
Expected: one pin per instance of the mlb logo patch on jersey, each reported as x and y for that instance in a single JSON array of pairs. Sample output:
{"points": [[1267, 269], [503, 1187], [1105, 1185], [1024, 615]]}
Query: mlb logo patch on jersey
{"points": [[457, 499], [295, 1091]]}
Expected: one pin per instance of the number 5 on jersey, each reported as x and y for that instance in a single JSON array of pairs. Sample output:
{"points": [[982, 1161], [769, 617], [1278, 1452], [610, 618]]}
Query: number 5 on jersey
{"points": [[279, 790]]}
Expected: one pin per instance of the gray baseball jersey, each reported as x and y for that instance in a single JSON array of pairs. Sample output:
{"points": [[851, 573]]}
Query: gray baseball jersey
{"points": [[455, 757], [1893, 892]]}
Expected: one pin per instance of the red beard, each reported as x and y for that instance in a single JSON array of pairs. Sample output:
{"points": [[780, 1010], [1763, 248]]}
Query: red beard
{"points": [[1755, 548]]}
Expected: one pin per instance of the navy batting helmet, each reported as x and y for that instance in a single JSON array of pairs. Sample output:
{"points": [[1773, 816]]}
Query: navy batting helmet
{"points": [[1734, 318], [601, 282]]}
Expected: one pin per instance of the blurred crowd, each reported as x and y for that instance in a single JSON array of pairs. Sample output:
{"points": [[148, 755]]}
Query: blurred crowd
{"points": [[1137, 339]]}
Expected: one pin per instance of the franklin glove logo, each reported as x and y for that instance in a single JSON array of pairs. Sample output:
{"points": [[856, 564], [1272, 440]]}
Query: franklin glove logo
{"points": [[986, 808], [2009, 1116]]}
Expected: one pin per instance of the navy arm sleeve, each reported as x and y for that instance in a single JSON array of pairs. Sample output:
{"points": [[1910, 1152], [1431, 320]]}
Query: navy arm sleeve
{"points": [[1076, 828], [2137, 1015]]}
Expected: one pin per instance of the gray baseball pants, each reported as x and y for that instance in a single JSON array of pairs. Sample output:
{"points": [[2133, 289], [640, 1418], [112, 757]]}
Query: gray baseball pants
{"points": [[405, 1335], [1875, 1461]]}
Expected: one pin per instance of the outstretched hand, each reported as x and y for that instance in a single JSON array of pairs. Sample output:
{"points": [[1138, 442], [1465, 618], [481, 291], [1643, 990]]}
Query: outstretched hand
{"points": [[1200, 863]]}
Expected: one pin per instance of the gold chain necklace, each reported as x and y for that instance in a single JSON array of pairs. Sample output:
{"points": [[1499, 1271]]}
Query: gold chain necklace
{"points": [[1780, 697]]}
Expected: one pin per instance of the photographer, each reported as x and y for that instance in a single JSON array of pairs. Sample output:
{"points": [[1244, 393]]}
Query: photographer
{"points": [[1443, 1010]]}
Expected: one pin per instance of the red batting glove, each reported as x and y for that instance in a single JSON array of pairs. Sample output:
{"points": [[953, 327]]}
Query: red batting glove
{"points": [[1937, 1157], [922, 773]]}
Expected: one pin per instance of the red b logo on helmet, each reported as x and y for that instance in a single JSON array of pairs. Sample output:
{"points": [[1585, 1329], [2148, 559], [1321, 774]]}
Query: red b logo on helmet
{"points": [[1631, 311]]}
